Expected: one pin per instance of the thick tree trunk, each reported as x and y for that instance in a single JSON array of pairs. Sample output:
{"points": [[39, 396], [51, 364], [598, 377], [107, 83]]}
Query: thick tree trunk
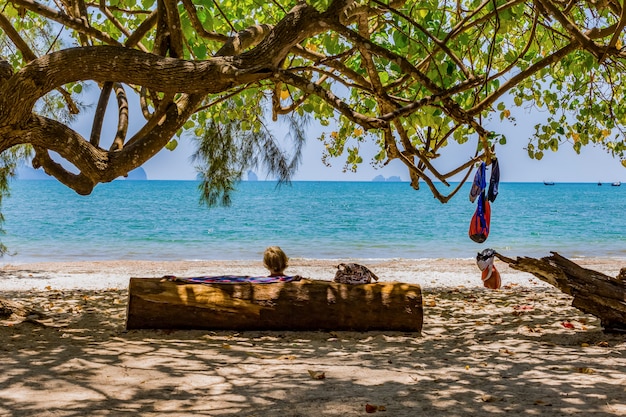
{"points": [[594, 293], [156, 303]]}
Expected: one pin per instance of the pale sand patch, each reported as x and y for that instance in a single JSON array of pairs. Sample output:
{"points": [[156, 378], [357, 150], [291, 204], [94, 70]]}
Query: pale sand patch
{"points": [[115, 274], [481, 352]]}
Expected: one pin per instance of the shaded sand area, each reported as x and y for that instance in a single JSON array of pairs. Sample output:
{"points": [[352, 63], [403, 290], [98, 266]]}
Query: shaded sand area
{"points": [[519, 351]]}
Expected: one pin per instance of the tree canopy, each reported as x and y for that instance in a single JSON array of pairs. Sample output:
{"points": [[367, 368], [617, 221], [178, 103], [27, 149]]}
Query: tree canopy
{"points": [[411, 76]]}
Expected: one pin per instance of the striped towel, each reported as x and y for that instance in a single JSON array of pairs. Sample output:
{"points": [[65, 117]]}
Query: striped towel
{"points": [[232, 279]]}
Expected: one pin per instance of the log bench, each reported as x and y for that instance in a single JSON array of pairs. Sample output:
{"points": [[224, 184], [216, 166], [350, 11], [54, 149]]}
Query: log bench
{"points": [[159, 303]]}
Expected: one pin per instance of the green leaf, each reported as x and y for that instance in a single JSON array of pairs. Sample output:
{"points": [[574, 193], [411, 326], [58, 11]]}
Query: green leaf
{"points": [[577, 146], [554, 145], [171, 145], [400, 40], [200, 51], [450, 68]]}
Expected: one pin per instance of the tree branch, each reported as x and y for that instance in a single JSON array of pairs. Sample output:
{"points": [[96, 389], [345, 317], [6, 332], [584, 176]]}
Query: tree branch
{"points": [[571, 28], [140, 32], [130, 40], [122, 118], [244, 39], [71, 22], [197, 25], [309, 87], [98, 117], [110, 63], [616, 34]]}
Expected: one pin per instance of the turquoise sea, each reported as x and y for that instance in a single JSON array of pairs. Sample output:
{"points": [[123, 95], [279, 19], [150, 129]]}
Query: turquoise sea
{"points": [[163, 220]]}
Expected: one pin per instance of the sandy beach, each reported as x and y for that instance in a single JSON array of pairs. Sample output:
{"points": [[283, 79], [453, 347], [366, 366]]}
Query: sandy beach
{"points": [[521, 350]]}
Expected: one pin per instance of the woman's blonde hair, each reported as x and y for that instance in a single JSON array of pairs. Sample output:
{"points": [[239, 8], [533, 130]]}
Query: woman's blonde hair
{"points": [[275, 259]]}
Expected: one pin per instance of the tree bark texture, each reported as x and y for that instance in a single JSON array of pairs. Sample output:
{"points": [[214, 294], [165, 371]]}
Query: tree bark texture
{"points": [[594, 292], [158, 303]]}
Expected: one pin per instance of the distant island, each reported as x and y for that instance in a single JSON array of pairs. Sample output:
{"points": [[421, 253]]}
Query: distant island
{"points": [[380, 178]]}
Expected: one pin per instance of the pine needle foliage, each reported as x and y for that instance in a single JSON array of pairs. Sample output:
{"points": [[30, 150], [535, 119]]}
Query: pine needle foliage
{"points": [[226, 151]]}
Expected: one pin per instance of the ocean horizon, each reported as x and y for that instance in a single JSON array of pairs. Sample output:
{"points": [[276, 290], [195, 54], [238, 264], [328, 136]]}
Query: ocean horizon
{"points": [[164, 220]]}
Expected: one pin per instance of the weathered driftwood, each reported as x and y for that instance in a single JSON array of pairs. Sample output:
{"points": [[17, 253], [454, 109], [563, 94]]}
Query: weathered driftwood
{"points": [[11, 308], [156, 303], [594, 292], [14, 312]]}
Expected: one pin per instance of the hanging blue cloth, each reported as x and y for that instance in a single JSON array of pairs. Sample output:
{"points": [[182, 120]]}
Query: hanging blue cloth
{"points": [[494, 181], [479, 184]]}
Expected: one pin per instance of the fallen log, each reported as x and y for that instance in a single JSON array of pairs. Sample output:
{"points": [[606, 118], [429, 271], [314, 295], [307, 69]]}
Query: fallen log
{"points": [[12, 312], [594, 292], [159, 303], [10, 309]]}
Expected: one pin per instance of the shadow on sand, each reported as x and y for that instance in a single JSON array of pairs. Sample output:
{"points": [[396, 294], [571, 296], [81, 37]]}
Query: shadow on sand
{"points": [[481, 353]]}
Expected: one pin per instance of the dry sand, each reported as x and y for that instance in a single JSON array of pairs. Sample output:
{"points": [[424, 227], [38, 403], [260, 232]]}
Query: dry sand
{"points": [[519, 351]]}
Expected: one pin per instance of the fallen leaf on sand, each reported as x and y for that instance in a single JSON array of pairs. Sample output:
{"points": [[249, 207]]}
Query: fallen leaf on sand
{"points": [[369, 408], [567, 325], [487, 398], [535, 329], [584, 370], [317, 374], [541, 402]]}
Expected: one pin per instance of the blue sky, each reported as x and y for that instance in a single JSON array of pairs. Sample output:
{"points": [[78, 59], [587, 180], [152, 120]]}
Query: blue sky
{"points": [[592, 165]]}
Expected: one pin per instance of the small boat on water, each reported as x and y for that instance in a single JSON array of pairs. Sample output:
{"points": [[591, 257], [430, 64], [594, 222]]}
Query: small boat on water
{"points": [[548, 183], [599, 183], [616, 184]]}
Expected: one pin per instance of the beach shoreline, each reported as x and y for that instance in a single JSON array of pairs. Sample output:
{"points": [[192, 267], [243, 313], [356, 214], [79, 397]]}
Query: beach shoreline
{"points": [[520, 350], [430, 273]]}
